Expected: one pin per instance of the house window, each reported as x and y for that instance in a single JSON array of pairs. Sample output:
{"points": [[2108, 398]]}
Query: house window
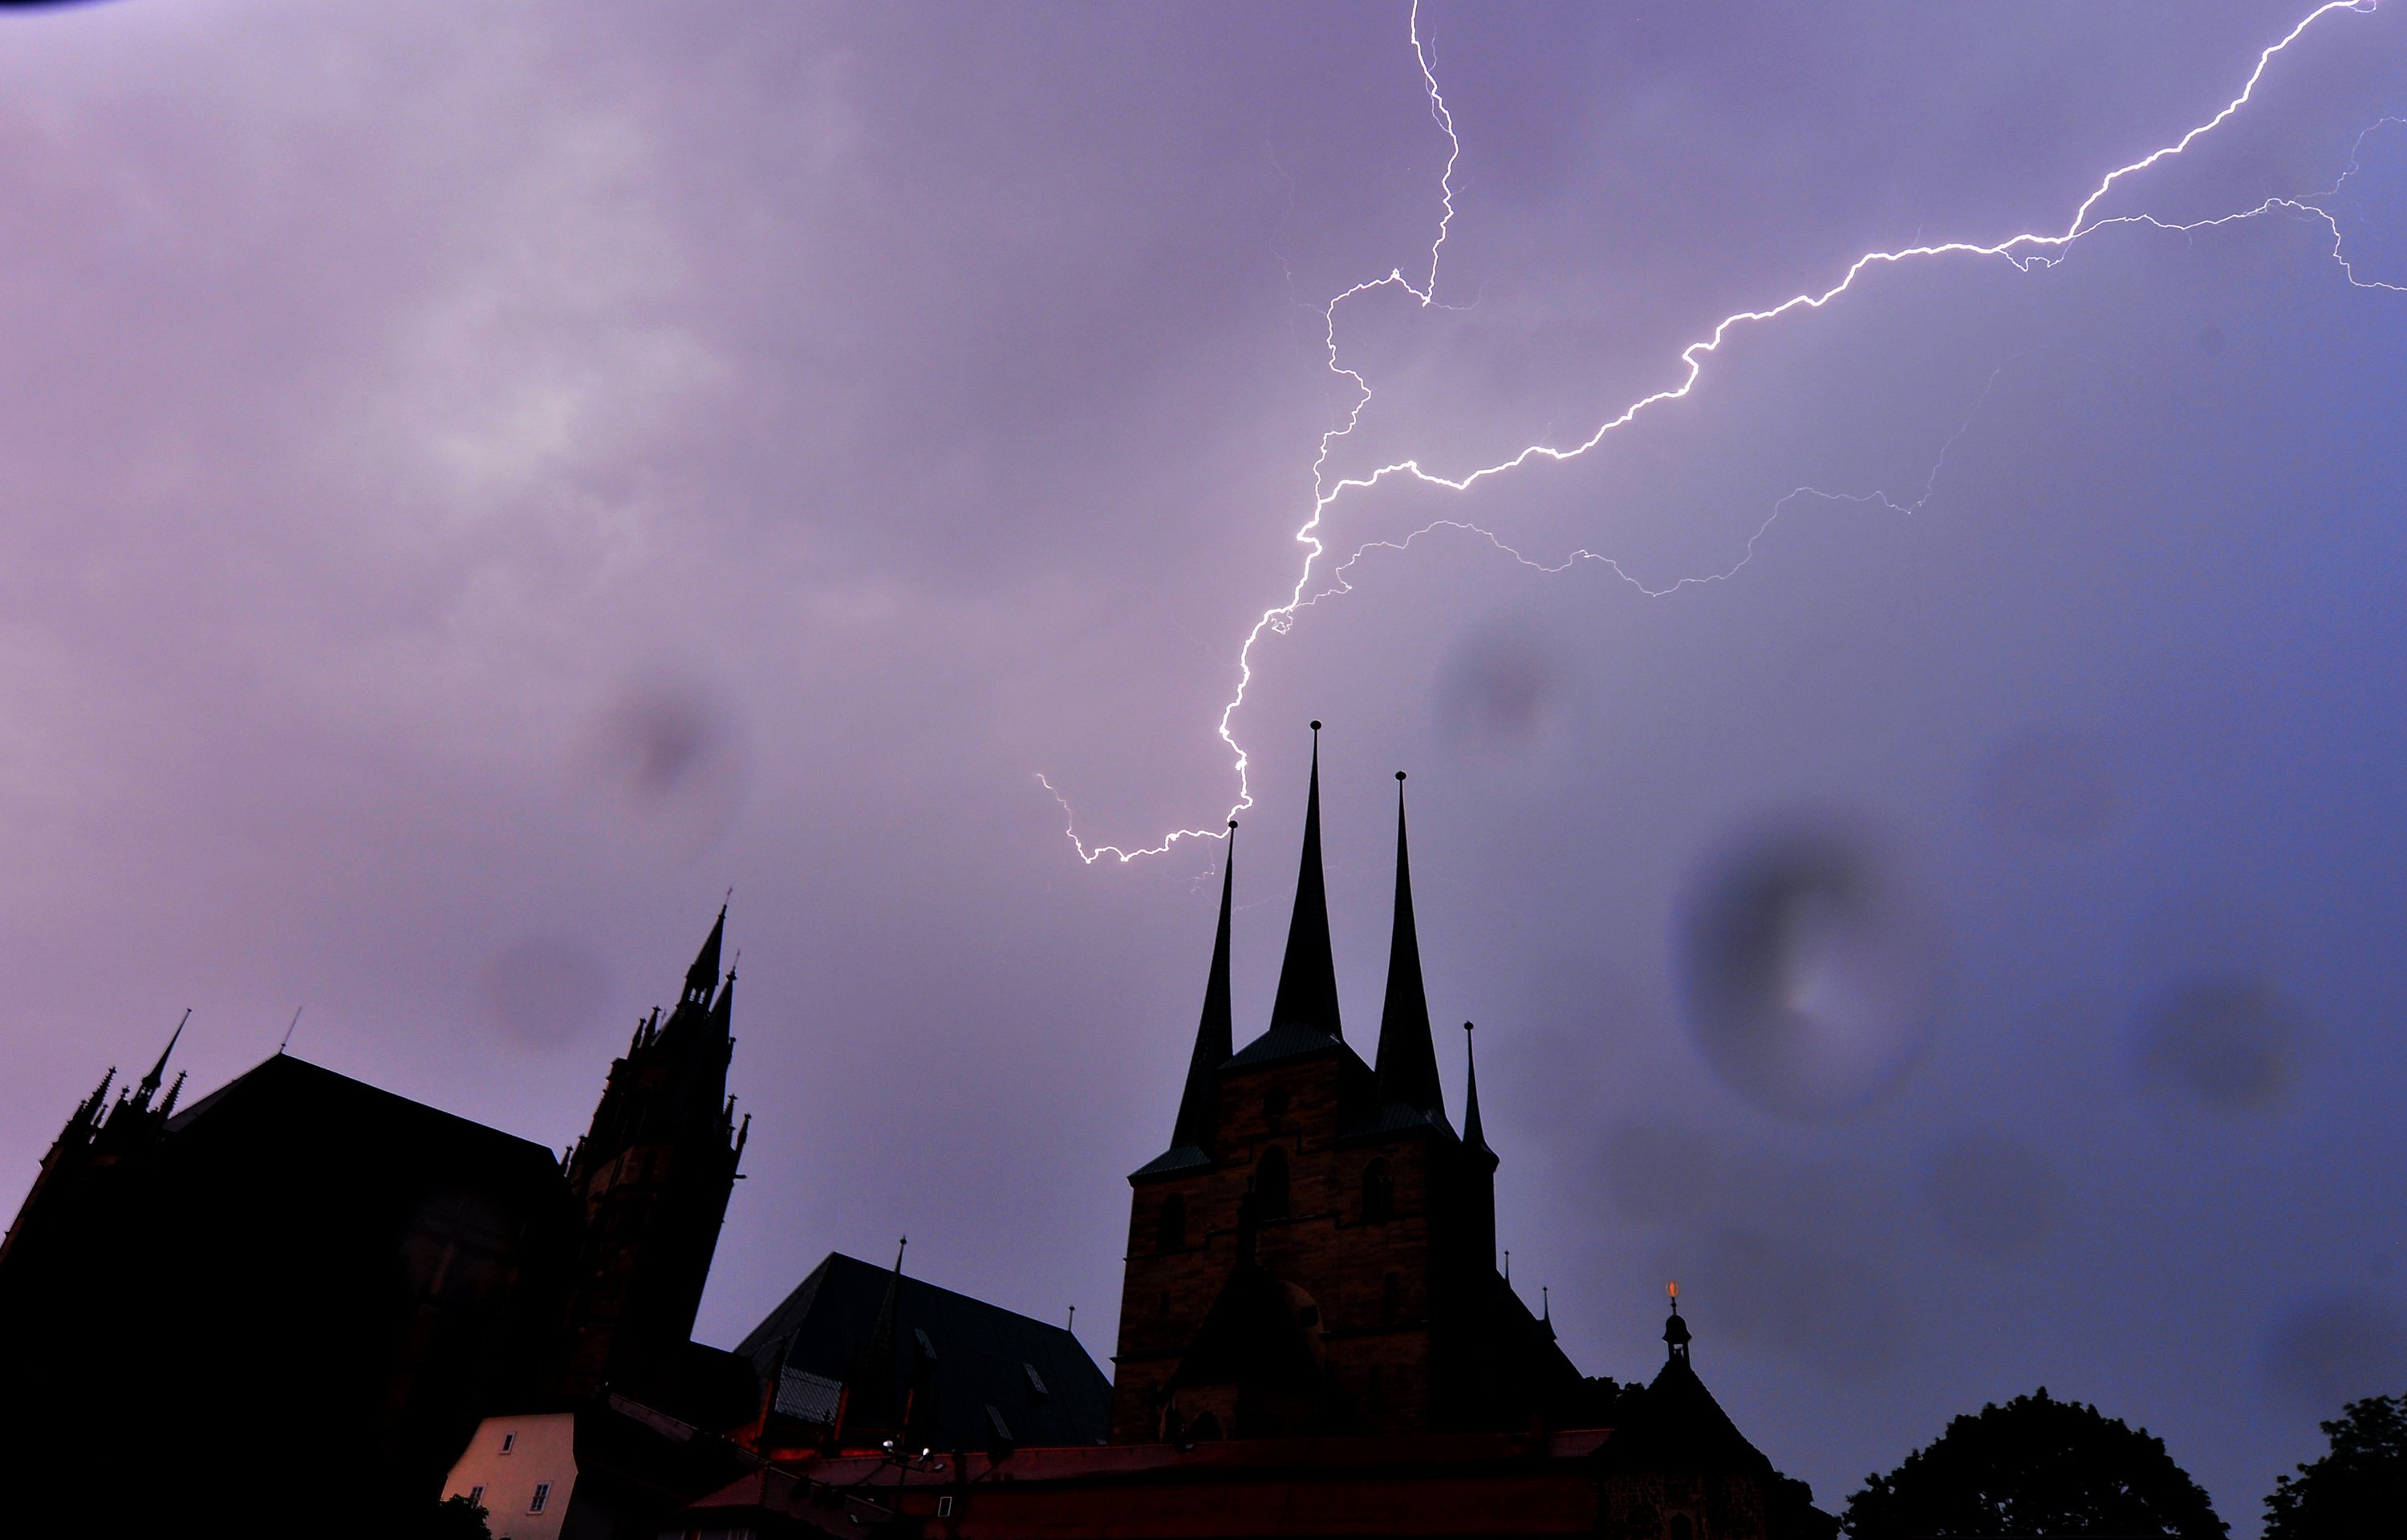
{"points": [[1170, 1227], [476, 1497], [542, 1495], [1270, 1184], [944, 1507], [1378, 1194], [510, 1442]]}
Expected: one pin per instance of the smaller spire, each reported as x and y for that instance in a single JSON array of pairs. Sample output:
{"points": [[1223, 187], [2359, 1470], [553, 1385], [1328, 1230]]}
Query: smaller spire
{"points": [[149, 1086], [1215, 1041], [1407, 1060], [91, 1110], [722, 1010], [1546, 1312], [1675, 1330], [1473, 1134], [168, 1107], [705, 971]]}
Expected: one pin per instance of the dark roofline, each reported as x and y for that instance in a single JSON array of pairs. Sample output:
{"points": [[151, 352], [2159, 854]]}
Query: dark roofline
{"points": [[285, 1064]]}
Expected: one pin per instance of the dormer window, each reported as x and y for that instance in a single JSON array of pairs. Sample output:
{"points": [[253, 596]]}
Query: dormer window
{"points": [[510, 1442]]}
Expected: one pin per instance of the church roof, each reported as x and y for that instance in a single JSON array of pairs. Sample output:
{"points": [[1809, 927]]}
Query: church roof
{"points": [[983, 1356]]}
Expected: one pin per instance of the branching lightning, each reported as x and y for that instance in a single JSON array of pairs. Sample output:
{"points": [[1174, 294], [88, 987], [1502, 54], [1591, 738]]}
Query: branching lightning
{"points": [[2026, 251]]}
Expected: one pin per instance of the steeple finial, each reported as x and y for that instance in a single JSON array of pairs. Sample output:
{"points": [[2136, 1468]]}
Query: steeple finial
{"points": [[1546, 1311], [1213, 1035], [705, 971], [1307, 986], [1407, 1061], [1675, 1330], [1473, 1134]]}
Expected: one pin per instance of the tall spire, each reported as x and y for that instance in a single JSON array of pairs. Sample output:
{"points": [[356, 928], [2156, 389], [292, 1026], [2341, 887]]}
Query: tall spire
{"points": [[705, 971], [1407, 1059], [149, 1086], [1213, 1035], [1307, 986], [1472, 1137]]}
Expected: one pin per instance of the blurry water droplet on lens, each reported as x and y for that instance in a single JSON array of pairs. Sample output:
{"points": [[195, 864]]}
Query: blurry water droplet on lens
{"points": [[1809, 968], [545, 990], [2049, 785], [667, 755], [2227, 1046], [1504, 699], [2324, 1353], [1996, 1196]]}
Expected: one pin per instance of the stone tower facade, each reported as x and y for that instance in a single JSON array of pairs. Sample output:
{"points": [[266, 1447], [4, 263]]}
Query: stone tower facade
{"points": [[652, 1178], [1316, 1250]]}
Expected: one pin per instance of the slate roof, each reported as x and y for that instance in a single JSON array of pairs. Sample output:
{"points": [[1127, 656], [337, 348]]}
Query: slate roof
{"points": [[984, 1355]]}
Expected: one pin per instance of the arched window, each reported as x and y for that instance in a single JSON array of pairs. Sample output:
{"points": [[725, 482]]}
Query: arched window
{"points": [[1270, 1184], [1170, 1226], [1378, 1194]]}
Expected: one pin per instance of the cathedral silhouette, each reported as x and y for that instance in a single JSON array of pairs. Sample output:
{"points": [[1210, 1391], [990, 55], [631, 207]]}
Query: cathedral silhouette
{"points": [[317, 1307]]}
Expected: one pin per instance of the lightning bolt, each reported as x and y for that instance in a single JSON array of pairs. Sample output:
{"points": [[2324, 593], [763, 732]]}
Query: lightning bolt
{"points": [[2026, 251]]}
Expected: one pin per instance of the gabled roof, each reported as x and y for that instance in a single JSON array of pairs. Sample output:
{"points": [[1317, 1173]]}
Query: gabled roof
{"points": [[982, 1355]]}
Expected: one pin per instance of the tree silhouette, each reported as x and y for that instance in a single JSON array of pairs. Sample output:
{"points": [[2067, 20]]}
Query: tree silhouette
{"points": [[2358, 1489], [2035, 1466]]}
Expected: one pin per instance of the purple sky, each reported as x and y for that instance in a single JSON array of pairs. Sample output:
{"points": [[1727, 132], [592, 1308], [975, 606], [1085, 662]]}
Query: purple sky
{"points": [[479, 482]]}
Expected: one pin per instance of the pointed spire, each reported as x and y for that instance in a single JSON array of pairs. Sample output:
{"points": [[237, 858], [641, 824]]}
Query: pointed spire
{"points": [[91, 1110], [705, 971], [1407, 1062], [1307, 986], [1546, 1311], [869, 1402], [722, 1010], [149, 1086], [1213, 1035], [168, 1107], [1474, 1136]]}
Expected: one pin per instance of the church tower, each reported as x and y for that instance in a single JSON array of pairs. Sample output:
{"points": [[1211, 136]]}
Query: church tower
{"points": [[1315, 1252], [652, 1179]]}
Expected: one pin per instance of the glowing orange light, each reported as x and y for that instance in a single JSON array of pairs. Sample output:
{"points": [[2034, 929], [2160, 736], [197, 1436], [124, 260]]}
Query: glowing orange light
{"points": [[1672, 1290]]}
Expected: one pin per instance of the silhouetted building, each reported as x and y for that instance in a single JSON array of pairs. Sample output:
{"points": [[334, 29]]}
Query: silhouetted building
{"points": [[859, 1354], [1314, 1339], [299, 1250], [652, 1178], [1668, 1467], [1315, 1252]]}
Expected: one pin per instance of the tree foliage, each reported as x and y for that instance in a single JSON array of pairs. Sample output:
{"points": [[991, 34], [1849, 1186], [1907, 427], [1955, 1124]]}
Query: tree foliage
{"points": [[2035, 1466], [2358, 1487], [456, 1518]]}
